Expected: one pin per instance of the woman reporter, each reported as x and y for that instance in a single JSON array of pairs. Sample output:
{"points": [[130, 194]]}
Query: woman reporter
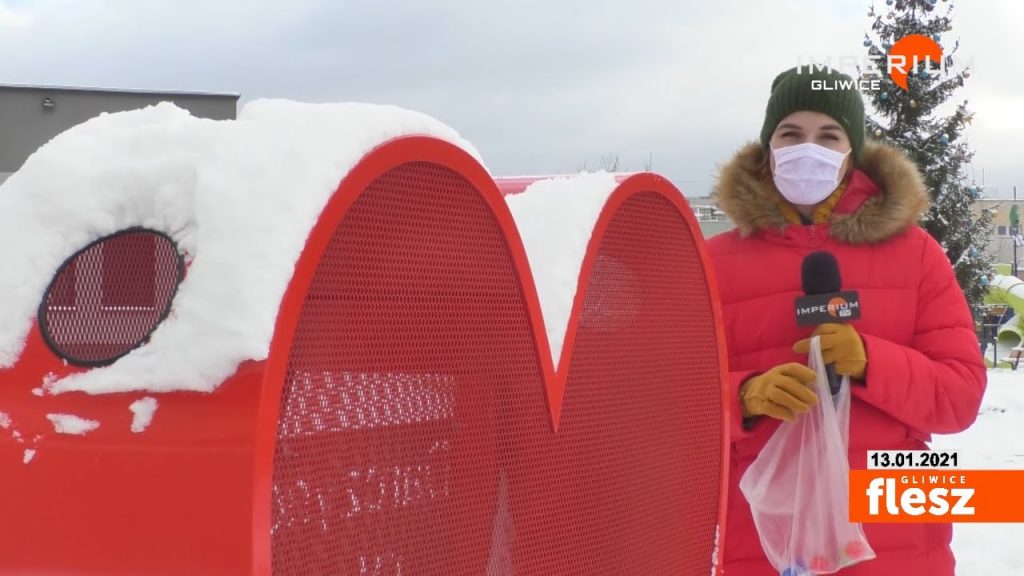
{"points": [[813, 183]]}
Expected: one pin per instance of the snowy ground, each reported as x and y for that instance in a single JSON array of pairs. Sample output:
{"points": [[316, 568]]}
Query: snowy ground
{"points": [[995, 441]]}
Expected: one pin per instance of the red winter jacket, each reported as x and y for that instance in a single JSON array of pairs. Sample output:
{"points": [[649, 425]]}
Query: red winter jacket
{"points": [[925, 373]]}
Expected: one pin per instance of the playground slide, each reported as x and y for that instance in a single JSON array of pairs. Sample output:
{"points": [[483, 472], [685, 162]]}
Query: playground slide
{"points": [[1008, 290]]}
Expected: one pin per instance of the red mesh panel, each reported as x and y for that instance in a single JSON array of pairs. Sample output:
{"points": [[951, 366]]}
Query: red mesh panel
{"points": [[123, 287], [62, 291], [631, 482], [415, 437], [108, 298], [387, 446]]}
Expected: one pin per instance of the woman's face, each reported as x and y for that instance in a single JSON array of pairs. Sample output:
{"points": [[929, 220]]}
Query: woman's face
{"points": [[806, 126]]}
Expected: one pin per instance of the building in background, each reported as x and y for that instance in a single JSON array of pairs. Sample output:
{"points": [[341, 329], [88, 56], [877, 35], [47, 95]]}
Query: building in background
{"points": [[1001, 245], [31, 115], [712, 220]]}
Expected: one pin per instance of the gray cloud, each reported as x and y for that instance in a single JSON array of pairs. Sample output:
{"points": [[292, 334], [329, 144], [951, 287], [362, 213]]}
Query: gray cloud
{"points": [[538, 86]]}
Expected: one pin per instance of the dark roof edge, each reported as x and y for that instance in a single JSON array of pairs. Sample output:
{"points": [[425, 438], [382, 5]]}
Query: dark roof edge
{"points": [[234, 95]]}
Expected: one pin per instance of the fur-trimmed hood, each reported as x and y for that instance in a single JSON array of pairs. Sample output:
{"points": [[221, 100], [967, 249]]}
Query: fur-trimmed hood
{"points": [[896, 201]]}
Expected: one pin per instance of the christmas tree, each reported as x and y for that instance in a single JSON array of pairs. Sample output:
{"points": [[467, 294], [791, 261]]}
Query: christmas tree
{"points": [[908, 116]]}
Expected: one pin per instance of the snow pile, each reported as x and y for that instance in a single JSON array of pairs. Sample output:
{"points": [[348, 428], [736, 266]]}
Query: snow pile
{"points": [[995, 441], [71, 424], [238, 197], [142, 414], [556, 219]]}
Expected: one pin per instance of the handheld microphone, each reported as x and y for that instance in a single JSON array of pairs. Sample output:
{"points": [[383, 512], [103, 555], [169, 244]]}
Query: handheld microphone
{"points": [[824, 301]]}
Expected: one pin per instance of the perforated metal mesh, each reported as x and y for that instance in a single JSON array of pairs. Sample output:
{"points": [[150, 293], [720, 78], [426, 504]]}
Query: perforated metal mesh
{"points": [[110, 296], [414, 435], [630, 484], [387, 446]]}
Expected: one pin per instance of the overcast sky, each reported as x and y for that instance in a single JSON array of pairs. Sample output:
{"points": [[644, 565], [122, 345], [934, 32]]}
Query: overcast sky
{"points": [[540, 86]]}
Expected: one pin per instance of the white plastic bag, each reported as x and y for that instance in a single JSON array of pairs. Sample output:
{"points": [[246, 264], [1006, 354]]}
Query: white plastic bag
{"points": [[798, 487]]}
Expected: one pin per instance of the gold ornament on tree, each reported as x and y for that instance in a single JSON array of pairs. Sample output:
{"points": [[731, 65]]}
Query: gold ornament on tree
{"points": [[878, 132], [967, 119], [913, 103]]}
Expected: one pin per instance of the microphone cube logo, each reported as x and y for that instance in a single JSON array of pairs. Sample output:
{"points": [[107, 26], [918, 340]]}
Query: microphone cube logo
{"points": [[838, 307], [815, 309]]}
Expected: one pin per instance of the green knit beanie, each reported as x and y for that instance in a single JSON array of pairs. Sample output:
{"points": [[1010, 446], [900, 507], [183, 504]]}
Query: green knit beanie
{"points": [[794, 92]]}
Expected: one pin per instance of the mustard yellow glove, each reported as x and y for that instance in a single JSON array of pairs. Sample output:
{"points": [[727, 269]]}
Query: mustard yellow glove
{"points": [[782, 392], [840, 345]]}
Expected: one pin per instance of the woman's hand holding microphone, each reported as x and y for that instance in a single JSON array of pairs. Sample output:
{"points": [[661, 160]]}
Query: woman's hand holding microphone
{"points": [[786, 391], [840, 345]]}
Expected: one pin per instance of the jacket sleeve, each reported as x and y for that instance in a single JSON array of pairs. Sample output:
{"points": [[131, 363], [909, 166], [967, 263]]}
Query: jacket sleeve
{"points": [[934, 384], [738, 431]]}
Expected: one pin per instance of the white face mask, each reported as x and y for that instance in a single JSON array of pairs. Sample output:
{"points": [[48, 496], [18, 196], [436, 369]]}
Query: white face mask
{"points": [[807, 173]]}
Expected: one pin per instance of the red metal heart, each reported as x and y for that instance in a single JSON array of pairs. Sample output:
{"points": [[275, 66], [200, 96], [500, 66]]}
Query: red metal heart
{"points": [[425, 258], [403, 422]]}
